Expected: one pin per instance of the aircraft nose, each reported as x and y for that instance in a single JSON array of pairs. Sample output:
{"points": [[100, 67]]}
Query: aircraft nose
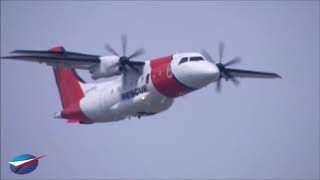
{"points": [[204, 74], [211, 72], [196, 74]]}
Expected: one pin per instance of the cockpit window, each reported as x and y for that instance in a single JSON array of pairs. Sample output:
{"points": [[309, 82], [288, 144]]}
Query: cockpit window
{"points": [[196, 58], [183, 60]]}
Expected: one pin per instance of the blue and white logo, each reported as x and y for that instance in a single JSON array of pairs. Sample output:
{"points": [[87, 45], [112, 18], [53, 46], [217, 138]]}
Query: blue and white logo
{"points": [[24, 163]]}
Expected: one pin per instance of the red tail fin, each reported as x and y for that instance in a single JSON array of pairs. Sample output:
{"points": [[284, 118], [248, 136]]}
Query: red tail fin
{"points": [[70, 91], [69, 86]]}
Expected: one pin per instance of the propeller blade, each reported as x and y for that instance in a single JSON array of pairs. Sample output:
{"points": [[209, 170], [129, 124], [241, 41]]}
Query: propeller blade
{"points": [[111, 50], [218, 87], [134, 68], [235, 60], [207, 56], [232, 78], [137, 53], [124, 44], [136, 63], [235, 81], [221, 50], [124, 61]]}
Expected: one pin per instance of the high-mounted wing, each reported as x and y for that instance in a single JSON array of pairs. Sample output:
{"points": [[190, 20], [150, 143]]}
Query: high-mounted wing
{"points": [[233, 74], [98, 66], [57, 56], [251, 74]]}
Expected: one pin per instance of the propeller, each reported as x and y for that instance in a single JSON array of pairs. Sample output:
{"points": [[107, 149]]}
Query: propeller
{"points": [[224, 72], [126, 60]]}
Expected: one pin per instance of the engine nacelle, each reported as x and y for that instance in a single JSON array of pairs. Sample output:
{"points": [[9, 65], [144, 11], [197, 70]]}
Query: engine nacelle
{"points": [[109, 66]]}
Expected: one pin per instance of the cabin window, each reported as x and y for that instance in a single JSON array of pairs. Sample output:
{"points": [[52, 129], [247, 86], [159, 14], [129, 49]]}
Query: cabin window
{"points": [[183, 60], [196, 58], [147, 78]]}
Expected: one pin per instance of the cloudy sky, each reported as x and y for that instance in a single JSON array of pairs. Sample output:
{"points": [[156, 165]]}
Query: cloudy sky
{"points": [[262, 129]]}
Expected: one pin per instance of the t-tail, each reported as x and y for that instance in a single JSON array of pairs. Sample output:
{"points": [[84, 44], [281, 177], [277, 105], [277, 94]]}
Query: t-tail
{"points": [[71, 90]]}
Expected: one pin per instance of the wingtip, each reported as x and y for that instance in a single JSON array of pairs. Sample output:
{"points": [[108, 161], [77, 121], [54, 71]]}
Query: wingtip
{"points": [[14, 51], [8, 57], [5, 57], [278, 76]]}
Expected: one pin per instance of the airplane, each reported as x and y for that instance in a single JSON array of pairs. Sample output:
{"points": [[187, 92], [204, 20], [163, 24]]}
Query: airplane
{"points": [[139, 88]]}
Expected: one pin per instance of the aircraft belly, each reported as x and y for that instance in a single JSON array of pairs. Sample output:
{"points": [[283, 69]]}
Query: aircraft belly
{"points": [[147, 103], [98, 106]]}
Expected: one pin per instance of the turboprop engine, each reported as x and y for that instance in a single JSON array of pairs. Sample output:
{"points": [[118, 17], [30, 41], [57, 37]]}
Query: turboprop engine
{"points": [[109, 66]]}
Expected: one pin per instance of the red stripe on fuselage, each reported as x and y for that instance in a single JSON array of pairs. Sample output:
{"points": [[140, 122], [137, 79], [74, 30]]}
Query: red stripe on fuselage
{"points": [[163, 79]]}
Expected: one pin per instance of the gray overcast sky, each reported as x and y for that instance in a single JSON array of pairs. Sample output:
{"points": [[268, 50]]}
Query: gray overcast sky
{"points": [[262, 129]]}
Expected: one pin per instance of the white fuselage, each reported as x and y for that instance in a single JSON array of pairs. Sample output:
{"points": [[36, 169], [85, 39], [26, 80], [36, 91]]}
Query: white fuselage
{"points": [[148, 93]]}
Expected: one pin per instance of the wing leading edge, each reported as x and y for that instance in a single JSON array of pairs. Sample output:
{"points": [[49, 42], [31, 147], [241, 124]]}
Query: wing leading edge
{"points": [[57, 56], [251, 74]]}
